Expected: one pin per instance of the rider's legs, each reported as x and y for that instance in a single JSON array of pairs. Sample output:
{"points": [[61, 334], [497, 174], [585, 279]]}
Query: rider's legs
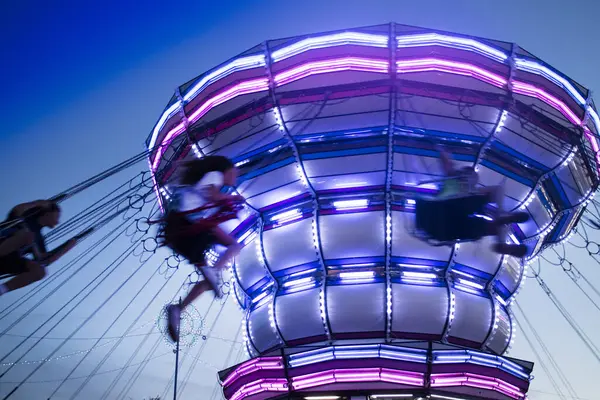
{"points": [[26, 271]]}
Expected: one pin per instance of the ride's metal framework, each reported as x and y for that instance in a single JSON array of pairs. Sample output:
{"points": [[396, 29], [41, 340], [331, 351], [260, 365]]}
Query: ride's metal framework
{"points": [[332, 133]]}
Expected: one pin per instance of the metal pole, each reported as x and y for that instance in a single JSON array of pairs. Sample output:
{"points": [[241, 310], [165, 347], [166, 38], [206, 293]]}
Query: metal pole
{"points": [[177, 355]]}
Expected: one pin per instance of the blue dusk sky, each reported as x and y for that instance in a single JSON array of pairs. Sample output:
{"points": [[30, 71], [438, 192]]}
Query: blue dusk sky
{"points": [[84, 82]]}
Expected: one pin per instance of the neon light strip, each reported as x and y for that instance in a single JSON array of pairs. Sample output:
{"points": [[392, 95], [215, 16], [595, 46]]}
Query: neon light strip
{"points": [[328, 377], [478, 381], [357, 375], [380, 66], [328, 66], [538, 69], [257, 364], [360, 351], [336, 39], [238, 64], [383, 352], [420, 40], [260, 386], [436, 39], [523, 64], [482, 359], [248, 87]]}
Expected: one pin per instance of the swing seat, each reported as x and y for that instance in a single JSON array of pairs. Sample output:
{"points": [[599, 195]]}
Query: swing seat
{"points": [[442, 222]]}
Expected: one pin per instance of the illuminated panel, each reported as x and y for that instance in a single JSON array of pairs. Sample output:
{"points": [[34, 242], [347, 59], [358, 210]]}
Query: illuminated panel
{"points": [[356, 308], [279, 256], [499, 338], [473, 318], [507, 280], [261, 330], [478, 255], [323, 173], [297, 313], [352, 235], [249, 268], [420, 309], [404, 244]]}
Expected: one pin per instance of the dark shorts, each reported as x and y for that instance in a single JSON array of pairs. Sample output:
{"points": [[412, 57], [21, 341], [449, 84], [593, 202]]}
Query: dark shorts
{"points": [[194, 247], [185, 241], [12, 264], [452, 219]]}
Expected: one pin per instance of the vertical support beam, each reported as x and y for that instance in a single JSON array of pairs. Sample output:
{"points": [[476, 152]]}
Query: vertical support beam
{"points": [[451, 306], [286, 371], [176, 358], [494, 327], [186, 123], [388, 182], [260, 250], [500, 121], [429, 368], [249, 342], [302, 173]]}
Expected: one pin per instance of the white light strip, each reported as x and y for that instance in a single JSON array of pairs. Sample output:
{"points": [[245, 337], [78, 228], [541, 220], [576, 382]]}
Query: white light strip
{"points": [[351, 204], [472, 284], [235, 65], [429, 39], [419, 275], [308, 271], [336, 39], [287, 216], [301, 281], [357, 275]]}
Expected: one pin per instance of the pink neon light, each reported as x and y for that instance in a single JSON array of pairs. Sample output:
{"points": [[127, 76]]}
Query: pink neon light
{"points": [[379, 66], [478, 381], [335, 65], [452, 67], [262, 385], [253, 86], [361, 375], [273, 363], [533, 91], [357, 375]]}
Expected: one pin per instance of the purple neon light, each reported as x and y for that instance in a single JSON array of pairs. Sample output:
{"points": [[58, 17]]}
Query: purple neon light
{"points": [[247, 87], [378, 66], [273, 363], [374, 374], [328, 377], [459, 68], [262, 385], [478, 381], [357, 375], [333, 65]]}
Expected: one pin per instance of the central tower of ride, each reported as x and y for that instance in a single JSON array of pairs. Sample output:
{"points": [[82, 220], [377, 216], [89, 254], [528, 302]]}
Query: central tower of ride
{"points": [[332, 134]]}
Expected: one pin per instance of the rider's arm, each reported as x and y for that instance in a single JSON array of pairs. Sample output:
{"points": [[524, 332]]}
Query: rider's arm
{"points": [[446, 161], [54, 255]]}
